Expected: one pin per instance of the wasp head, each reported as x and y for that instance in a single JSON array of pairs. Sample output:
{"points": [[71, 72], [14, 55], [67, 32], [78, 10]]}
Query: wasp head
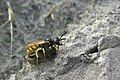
{"points": [[57, 40]]}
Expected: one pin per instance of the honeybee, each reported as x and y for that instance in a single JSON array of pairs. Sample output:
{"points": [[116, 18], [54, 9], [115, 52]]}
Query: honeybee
{"points": [[40, 50]]}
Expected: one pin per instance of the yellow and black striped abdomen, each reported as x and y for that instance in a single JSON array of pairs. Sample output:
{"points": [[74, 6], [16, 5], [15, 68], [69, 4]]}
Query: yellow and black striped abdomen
{"points": [[32, 48]]}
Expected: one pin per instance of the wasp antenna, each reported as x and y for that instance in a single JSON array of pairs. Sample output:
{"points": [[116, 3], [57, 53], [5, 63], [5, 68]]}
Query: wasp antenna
{"points": [[63, 33], [63, 39]]}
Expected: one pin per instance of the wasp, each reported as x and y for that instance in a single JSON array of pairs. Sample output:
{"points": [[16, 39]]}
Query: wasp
{"points": [[40, 50]]}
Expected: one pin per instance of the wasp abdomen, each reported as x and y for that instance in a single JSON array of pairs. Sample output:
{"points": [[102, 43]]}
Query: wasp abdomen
{"points": [[32, 48]]}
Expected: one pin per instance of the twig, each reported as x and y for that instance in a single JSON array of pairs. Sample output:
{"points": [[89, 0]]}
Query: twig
{"points": [[10, 14], [4, 24], [50, 12]]}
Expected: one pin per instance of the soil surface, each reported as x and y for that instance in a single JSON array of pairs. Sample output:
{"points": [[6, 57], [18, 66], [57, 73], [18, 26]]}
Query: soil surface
{"points": [[91, 50]]}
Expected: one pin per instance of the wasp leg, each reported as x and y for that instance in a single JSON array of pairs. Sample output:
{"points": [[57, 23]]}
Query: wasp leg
{"points": [[57, 48], [30, 66], [26, 58], [44, 53], [36, 53], [36, 58]]}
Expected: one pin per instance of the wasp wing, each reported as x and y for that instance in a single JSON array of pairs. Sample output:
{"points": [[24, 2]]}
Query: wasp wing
{"points": [[38, 42]]}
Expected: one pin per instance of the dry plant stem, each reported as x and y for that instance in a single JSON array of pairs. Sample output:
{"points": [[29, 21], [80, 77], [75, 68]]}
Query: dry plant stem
{"points": [[4, 24], [10, 15]]}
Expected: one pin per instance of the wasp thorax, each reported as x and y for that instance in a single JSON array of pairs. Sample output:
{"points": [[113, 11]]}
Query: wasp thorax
{"points": [[57, 40]]}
